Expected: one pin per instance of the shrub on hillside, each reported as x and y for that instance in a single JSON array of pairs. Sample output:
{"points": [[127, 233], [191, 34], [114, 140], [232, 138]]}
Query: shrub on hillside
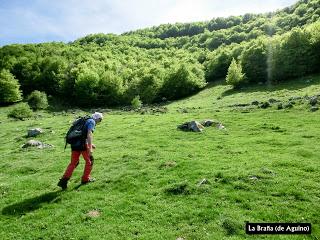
{"points": [[109, 89], [254, 62], [21, 111], [10, 88], [292, 56], [235, 76], [86, 87], [183, 81], [38, 100], [136, 102]]}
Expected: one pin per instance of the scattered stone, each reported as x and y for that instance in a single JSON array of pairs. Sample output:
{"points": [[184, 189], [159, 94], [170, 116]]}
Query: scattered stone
{"points": [[314, 108], [295, 98], [279, 106], [265, 105], [256, 103], [180, 238], [202, 182], [209, 123], [240, 105], [193, 126], [35, 143], [288, 105], [253, 178], [34, 132], [93, 214], [220, 126], [313, 100], [272, 100]]}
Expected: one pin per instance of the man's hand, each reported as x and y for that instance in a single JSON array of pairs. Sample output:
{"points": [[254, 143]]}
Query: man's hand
{"points": [[93, 146]]}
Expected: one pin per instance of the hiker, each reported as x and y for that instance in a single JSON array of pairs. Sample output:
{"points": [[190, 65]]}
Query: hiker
{"points": [[85, 148]]}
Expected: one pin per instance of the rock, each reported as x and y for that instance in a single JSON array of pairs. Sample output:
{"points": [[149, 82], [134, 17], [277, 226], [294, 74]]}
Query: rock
{"points": [[35, 143], [265, 105], [253, 178], [279, 106], [313, 100], [34, 132], [294, 98], [314, 108], [272, 100], [256, 103], [202, 182], [209, 123], [195, 126], [191, 126], [288, 105], [93, 214], [220, 126]]}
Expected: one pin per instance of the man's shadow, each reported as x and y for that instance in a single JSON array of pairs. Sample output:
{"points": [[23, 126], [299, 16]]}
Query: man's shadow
{"points": [[31, 204]]}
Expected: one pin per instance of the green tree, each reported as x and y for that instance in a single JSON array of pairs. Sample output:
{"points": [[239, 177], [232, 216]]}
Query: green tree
{"points": [[9, 88], [38, 100], [109, 89], [254, 62], [182, 81], [235, 76], [86, 88]]}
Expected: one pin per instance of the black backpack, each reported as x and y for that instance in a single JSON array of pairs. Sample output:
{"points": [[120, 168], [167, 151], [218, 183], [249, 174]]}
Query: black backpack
{"points": [[77, 134]]}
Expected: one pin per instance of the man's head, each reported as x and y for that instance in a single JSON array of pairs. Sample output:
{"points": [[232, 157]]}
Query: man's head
{"points": [[97, 117]]}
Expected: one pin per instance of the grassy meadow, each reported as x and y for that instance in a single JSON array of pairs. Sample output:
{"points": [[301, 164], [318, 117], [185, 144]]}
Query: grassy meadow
{"points": [[157, 182]]}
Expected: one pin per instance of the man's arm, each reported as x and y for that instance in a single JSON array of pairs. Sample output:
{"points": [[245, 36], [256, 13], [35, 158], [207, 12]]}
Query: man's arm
{"points": [[89, 140]]}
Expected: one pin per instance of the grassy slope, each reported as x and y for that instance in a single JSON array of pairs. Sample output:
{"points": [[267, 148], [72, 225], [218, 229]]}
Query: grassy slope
{"points": [[147, 171]]}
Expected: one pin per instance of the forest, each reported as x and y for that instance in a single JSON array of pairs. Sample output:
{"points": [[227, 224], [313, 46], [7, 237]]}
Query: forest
{"points": [[166, 62]]}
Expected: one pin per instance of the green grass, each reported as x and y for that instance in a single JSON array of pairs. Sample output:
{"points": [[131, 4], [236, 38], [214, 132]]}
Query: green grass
{"points": [[263, 168]]}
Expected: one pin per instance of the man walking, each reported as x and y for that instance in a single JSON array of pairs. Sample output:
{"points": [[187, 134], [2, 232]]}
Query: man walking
{"points": [[85, 148]]}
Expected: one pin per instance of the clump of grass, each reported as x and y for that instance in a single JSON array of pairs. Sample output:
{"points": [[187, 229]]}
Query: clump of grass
{"points": [[21, 111], [181, 188], [230, 226]]}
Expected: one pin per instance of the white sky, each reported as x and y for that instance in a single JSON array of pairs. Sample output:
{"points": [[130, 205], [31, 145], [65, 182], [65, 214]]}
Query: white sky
{"points": [[32, 21]]}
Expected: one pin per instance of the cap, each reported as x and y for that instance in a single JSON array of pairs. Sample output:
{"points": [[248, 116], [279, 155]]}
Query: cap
{"points": [[97, 115]]}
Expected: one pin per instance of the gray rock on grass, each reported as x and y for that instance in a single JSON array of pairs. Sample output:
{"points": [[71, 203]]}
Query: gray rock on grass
{"points": [[193, 126], [34, 132], [37, 144], [313, 100]]}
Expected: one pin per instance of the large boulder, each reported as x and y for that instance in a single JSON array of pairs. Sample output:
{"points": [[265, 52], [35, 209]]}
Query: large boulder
{"points": [[34, 132], [193, 126], [37, 144]]}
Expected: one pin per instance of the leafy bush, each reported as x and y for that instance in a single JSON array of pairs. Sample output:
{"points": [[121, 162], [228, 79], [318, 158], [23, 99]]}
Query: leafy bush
{"points": [[110, 89], [254, 62], [38, 100], [10, 88], [86, 87], [21, 111], [182, 81], [136, 102], [235, 76]]}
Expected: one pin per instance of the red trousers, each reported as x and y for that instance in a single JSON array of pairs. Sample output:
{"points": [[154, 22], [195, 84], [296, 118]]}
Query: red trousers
{"points": [[75, 155]]}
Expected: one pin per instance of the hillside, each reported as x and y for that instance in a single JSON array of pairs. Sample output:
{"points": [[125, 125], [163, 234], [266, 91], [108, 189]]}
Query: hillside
{"points": [[165, 62], [157, 182]]}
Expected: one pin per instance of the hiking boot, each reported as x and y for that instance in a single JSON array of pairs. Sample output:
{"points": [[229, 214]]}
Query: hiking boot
{"points": [[88, 181], [63, 183]]}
